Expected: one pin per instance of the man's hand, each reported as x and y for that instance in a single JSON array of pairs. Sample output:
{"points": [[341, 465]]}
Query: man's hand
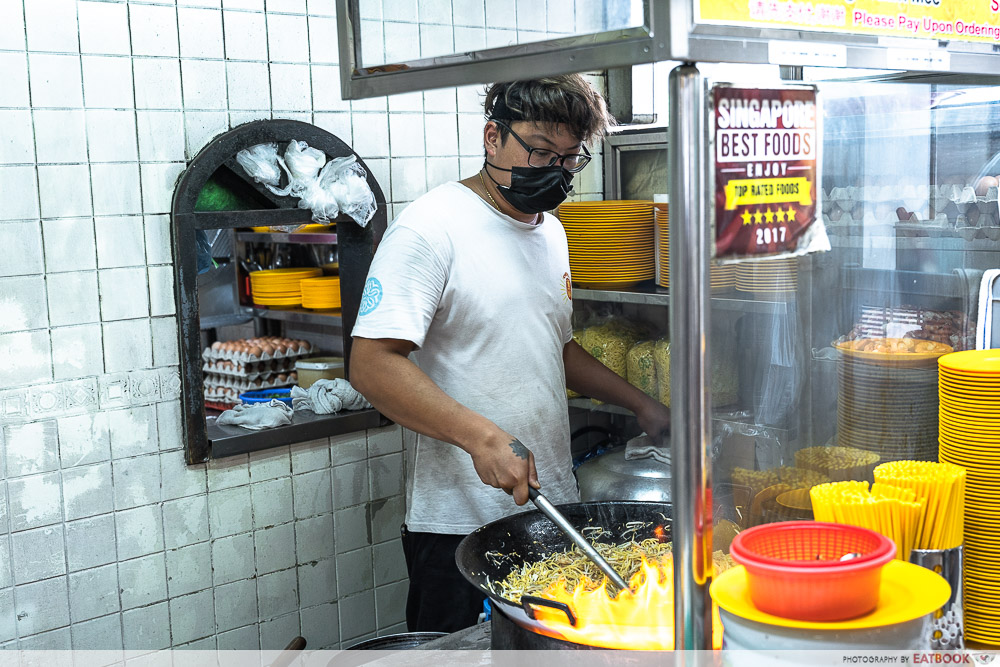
{"points": [[654, 419], [505, 463]]}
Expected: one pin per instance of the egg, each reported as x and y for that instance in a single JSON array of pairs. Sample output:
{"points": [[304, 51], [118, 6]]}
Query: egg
{"points": [[984, 184], [280, 348], [217, 345], [255, 351], [267, 349]]}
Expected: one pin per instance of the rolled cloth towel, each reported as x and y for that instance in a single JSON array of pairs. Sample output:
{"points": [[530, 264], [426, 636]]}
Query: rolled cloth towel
{"points": [[258, 416], [327, 396], [642, 447]]}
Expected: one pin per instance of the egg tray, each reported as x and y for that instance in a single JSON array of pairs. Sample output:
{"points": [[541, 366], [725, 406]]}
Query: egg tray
{"points": [[941, 207], [242, 357], [240, 384], [250, 371]]}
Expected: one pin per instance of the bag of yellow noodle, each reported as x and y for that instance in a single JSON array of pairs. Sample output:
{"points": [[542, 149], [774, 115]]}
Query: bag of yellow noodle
{"points": [[610, 342], [640, 371]]}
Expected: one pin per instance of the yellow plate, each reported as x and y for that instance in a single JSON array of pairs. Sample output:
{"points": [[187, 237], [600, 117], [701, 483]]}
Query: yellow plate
{"points": [[603, 284], [908, 592], [973, 362], [285, 273], [888, 359]]}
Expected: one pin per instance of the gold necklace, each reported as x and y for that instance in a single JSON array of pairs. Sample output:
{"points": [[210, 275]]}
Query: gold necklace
{"points": [[487, 191]]}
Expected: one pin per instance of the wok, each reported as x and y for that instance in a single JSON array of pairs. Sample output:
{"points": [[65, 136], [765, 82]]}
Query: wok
{"points": [[531, 536]]}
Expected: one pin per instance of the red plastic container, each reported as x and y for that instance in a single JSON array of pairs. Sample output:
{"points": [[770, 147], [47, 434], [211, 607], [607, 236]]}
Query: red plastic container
{"points": [[794, 569]]}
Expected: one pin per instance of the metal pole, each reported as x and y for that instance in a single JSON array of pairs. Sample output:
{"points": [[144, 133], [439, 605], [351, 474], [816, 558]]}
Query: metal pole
{"points": [[689, 367]]}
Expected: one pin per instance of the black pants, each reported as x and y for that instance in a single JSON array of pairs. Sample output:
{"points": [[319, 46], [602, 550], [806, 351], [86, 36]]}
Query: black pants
{"points": [[440, 598]]}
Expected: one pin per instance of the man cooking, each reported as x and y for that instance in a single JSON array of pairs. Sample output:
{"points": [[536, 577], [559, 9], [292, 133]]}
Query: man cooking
{"points": [[464, 336]]}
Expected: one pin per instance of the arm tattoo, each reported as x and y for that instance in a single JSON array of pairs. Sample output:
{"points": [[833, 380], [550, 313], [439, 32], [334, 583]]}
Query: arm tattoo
{"points": [[519, 449]]}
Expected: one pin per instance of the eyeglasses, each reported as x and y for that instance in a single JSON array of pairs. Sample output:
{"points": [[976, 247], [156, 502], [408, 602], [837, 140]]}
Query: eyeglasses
{"points": [[543, 157]]}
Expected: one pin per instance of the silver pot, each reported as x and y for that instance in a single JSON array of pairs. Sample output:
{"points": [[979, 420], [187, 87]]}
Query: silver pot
{"points": [[612, 477]]}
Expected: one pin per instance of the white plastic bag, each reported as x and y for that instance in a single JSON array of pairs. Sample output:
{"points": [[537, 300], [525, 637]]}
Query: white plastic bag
{"points": [[302, 164], [342, 187], [261, 163]]}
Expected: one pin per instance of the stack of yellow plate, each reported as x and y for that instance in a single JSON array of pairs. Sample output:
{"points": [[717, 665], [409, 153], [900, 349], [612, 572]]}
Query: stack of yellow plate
{"points": [[772, 276], [969, 388], [610, 242], [721, 278], [321, 293], [279, 287]]}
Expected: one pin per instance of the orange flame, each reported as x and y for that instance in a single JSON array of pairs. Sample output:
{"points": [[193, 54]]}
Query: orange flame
{"points": [[640, 619]]}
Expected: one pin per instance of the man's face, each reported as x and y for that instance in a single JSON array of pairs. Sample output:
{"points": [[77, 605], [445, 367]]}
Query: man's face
{"points": [[510, 153]]}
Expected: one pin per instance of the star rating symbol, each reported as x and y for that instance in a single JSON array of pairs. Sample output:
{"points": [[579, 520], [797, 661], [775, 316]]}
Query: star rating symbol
{"points": [[780, 215], [757, 217], [747, 217], [769, 215], [791, 213]]}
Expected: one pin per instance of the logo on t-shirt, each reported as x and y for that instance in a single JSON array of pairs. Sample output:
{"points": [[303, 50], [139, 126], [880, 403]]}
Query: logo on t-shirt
{"points": [[567, 287], [371, 297]]}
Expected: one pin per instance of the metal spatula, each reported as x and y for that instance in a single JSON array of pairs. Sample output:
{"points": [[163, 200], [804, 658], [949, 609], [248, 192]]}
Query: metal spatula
{"points": [[549, 510]]}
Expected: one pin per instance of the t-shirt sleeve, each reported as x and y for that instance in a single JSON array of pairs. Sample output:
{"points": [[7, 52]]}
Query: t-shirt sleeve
{"points": [[404, 287]]}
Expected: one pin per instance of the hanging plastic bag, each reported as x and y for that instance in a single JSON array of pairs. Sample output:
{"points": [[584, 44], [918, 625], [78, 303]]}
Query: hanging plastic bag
{"points": [[260, 162], [342, 187], [302, 164]]}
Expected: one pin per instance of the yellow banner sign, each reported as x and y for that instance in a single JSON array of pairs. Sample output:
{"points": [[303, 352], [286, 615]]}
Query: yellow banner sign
{"points": [[961, 20], [743, 192]]}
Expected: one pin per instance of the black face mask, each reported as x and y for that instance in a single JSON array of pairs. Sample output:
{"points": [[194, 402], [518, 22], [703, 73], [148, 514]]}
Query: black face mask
{"points": [[535, 189]]}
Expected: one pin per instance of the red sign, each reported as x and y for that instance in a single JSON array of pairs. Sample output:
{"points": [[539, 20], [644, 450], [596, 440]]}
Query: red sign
{"points": [[765, 147]]}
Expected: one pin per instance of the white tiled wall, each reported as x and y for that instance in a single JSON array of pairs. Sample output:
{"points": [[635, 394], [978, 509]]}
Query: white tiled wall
{"points": [[107, 539]]}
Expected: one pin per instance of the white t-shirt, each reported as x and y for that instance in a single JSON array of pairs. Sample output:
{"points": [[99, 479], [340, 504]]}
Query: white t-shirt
{"points": [[487, 301]]}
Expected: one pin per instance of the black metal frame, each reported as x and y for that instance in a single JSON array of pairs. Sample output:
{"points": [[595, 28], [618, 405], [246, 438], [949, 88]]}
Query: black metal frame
{"points": [[356, 248]]}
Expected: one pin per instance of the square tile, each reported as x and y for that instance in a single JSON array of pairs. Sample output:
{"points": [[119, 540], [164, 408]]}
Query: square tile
{"points": [[87, 491], [352, 528], [245, 36], [274, 632], [470, 99], [93, 593], [386, 518], [372, 43], [127, 345], [107, 82], [357, 615], [22, 301], [157, 229], [311, 455], [402, 42], [41, 606], [124, 293], [354, 572], [24, 204], [72, 299], [8, 623], [323, 40], [326, 89], [158, 183], [270, 463], [69, 244], [272, 502], [23, 241], [33, 447], [178, 478], [38, 554], [329, 7], [84, 439], [12, 31], [277, 594], [116, 189], [314, 538], [200, 32], [290, 88], [436, 12], [154, 30], [441, 100], [34, 501], [139, 531], [170, 428], [14, 92], [202, 126], [55, 80], [6, 571], [249, 87], [286, 6], [204, 84], [442, 134], [322, 625], [157, 83], [287, 38], [120, 241], [90, 542], [311, 494], [100, 634], [406, 134], [350, 485], [274, 548], [336, 123], [64, 191], [400, 10], [501, 13], [246, 638], [185, 522], [24, 354], [60, 136], [470, 135], [161, 136], [55, 640], [192, 617], [436, 40], [228, 472], [348, 448], [386, 475], [103, 27], [236, 604], [442, 170], [189, 569], [560, 15], [390, 604], [147, 628], [317, 582], [232, 558], [409, 179], [133, 431], [389, 563], [51, 26], [229, 511], [161, 291], [385, 440], [111, 132], [136, 481]]}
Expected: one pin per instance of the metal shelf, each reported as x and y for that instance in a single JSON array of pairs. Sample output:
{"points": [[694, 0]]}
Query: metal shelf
{"points": [[653, 295], [948, 243], [298, 315], [322, 238]]}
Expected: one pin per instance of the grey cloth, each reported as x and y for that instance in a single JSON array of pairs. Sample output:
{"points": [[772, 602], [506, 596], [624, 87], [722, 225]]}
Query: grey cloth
{"points": [[642, 447], [258, 416], [328, 396]]}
